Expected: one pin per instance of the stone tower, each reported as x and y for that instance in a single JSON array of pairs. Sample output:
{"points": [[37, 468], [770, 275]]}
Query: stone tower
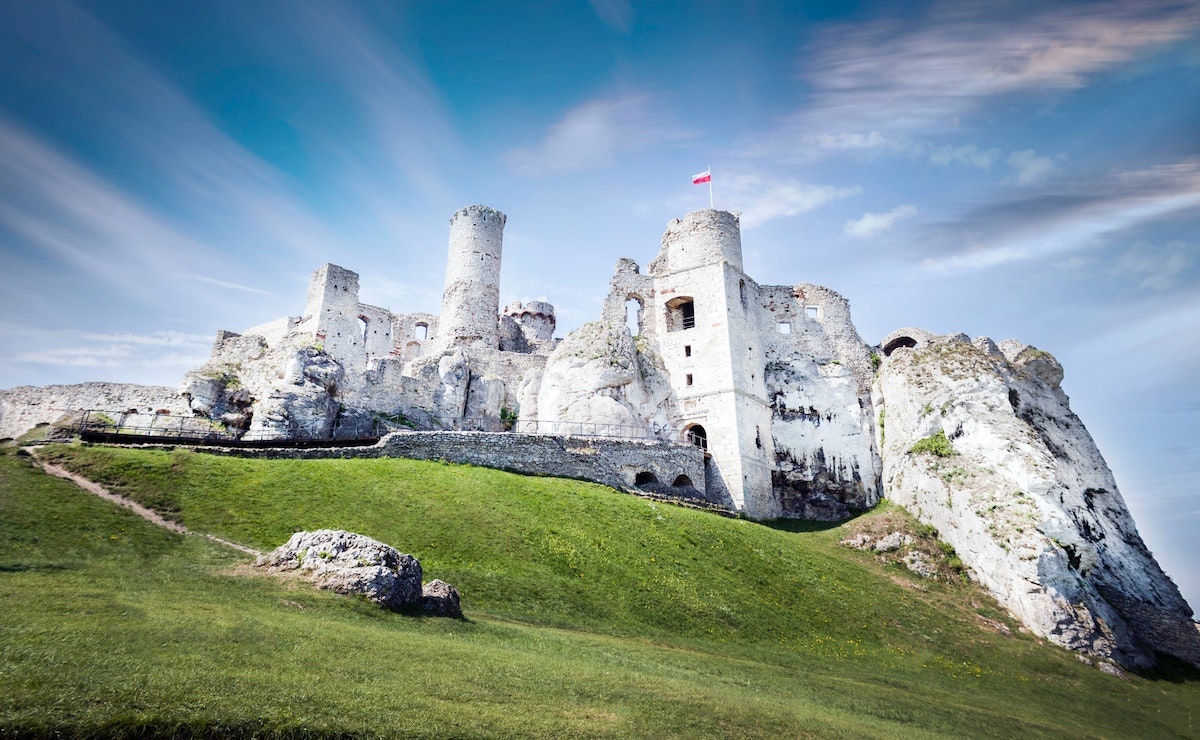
{"points": [[331, 313], [707, 325], [471, 300]]}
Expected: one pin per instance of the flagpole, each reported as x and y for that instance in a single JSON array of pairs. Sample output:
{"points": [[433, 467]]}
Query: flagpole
{"points": [[710, 200]]}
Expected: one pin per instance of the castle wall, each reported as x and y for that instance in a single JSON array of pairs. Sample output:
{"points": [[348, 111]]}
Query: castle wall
{"points": [[377, 331], [610, 462], [274, 332], [471, 299]]}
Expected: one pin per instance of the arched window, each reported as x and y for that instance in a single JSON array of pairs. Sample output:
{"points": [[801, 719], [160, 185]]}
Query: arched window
{"points": [[363, 326], [421, 331], [681, 313], [695, 434]]}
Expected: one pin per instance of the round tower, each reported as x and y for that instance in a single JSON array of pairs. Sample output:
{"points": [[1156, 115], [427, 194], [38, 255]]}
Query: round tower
{"points": [[471, 300], [702, 238]]}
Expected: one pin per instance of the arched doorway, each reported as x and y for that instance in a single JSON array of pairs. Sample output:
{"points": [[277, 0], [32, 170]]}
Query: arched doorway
{"points": [[696, 434], [645, 479]]}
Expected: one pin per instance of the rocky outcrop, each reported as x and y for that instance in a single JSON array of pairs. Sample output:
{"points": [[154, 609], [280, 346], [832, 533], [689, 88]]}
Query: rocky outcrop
{"points": [[979, 442], [440, 599], [24, 407], [351, 563], [598, 377]]}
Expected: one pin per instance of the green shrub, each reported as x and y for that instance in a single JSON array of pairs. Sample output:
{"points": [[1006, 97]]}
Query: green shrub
{"points": [[935, 445]]}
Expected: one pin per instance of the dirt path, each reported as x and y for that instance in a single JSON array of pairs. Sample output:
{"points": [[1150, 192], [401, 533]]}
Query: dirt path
{"points": [[147, 514]]}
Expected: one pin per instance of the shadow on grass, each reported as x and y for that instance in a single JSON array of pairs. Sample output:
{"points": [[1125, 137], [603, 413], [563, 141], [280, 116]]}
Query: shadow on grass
{"points": [[805, 525], [1172, 670], [27, 567]]}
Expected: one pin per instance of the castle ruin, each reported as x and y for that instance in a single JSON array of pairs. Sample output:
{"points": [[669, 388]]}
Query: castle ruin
{"points": [[772, 382]]}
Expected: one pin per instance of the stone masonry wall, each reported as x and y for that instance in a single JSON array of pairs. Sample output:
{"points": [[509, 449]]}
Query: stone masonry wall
{"points": [[611, 462]]}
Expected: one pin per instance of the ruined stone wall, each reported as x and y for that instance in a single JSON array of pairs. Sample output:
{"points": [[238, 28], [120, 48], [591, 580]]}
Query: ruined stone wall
{"points": [[331, 314], [24, 407], [377, 331], [274, 332], [826, 465], [413, 334], [471, 300], [628, 283], [610, 462]]}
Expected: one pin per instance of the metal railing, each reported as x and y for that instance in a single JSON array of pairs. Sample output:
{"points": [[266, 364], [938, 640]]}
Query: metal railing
{"points": [[130, 427]]}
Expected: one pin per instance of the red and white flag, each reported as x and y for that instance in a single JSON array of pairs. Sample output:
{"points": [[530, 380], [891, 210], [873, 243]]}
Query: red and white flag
{"points": [[703, 177]]}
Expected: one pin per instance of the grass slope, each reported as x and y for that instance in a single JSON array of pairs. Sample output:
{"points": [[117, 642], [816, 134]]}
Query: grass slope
{"points": [[590, 612]]}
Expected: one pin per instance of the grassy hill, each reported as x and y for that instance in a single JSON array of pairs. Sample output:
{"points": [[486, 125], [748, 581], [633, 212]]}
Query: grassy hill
{"points": [[589, 612]]}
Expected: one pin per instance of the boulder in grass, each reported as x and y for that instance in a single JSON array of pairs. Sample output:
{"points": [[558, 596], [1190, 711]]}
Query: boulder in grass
{"points": [[350, 563], [440, 599]]}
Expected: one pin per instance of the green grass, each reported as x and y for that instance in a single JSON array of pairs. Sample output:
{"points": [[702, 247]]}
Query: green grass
{"points": [[589, 613]]}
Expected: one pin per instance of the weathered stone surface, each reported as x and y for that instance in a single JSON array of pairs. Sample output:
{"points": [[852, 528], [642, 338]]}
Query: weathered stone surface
{"points": [[24, 407], [597, 376], [351, 563], [440, 599], [1026, 499]]}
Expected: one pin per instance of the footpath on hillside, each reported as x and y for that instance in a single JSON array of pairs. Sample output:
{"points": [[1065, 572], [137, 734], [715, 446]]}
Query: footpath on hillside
{"points": [[145, 513]]}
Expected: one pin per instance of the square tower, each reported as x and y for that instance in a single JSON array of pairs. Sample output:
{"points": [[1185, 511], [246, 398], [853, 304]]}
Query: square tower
{"points": [[704, 322]]}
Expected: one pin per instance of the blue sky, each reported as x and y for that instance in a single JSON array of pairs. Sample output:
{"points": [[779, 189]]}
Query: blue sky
{"points": [[1001, 169]]}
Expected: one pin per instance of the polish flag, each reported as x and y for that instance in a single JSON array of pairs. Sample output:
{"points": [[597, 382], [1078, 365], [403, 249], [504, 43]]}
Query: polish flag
{"points": [[703, 177]]}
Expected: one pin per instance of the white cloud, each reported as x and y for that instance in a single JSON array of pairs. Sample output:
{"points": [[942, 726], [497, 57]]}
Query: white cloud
{"points": [[1067, 216], [591, 135], [872, 224], [889, 78], [761, 199], [1029, 166]]}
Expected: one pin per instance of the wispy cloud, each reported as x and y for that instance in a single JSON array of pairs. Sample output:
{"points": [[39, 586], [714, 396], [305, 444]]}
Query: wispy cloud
{"points": [[83, 222], [121, 350], [1156, 268], [616, 14], [229, 285], [873, 82], [761, 199], [1029, 167], [873, 224], [592, 135], [147, 123], [1064, 215]]}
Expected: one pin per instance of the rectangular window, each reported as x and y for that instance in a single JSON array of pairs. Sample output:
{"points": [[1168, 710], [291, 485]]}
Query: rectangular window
{"points": [[785, 327], [810, 312], [689, 379], [687, 350]]}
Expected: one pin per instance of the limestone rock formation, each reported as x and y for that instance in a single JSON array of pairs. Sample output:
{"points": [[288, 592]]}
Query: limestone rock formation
{"points": [[980, 442], [599, 378], [351, 563], [440, 599]]}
